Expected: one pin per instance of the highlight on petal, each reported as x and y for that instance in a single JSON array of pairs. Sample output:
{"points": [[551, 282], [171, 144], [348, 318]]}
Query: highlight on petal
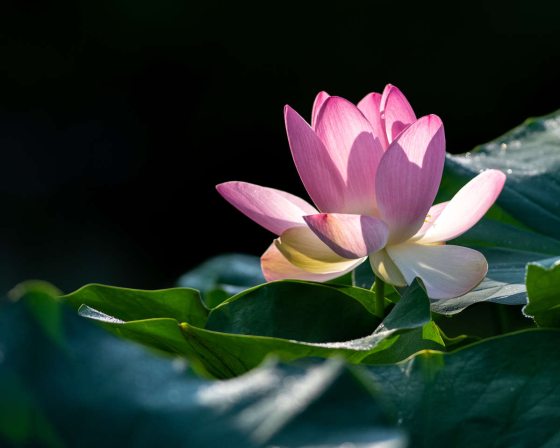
{"points": [[431, 217], [395, 111], [305, 250], [319, 173], [273, 209], [467, 207], [354, 150], [385, 269], [409, 175], [446, 271], [350, 236], [276, 267], [317, 105], [370, 106]]}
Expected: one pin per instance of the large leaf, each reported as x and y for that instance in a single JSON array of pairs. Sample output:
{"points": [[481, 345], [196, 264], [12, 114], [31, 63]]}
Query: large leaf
{"points": [[543, 289], [297, 310], [101, 391], [181, 304], [524, 226], [501, 392], [224, 355]]}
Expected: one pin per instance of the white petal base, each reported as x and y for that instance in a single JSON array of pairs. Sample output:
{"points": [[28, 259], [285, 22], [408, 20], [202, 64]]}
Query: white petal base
{"points": [[446, 271]]}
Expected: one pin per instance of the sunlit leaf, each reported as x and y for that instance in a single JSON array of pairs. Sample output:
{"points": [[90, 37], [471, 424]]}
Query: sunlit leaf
{"points": [[543, 289]]}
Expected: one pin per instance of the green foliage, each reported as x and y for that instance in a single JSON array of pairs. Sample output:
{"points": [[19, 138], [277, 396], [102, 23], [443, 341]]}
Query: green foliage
{"points": [[543, 290], [501, 392], [290, 319], [98, 390], [301, 311], [181, 304]]}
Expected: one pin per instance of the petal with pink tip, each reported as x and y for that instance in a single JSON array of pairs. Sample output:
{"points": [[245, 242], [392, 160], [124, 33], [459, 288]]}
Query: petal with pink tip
{"points": [[350, 236], [446, 271], [433, 213], [467, 207], [409, 175], [305, 250], [318, 172], [276, 267], [396, 112], [385, 269], [273, 209], [354, 150], [370, 106], [317, 104]]}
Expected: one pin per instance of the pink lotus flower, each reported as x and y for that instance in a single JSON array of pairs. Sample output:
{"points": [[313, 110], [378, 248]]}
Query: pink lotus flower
{"points": [[373, 171]]}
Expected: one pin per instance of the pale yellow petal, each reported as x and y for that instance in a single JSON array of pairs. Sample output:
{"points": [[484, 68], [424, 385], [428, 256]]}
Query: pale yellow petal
{"points": [[304, 249], [276, 267], [385, 269]]}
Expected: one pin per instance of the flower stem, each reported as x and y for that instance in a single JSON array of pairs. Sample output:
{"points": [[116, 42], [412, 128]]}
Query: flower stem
{"points": [[379, 288]]}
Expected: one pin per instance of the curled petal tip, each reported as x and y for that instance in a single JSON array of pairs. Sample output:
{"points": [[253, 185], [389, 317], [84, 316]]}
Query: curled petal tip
{"points": [[287, 109], [467, 207], [273, 209]]}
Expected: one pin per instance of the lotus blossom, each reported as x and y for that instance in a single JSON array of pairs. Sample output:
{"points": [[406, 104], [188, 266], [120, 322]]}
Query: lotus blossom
{"points": [[372, 171]]}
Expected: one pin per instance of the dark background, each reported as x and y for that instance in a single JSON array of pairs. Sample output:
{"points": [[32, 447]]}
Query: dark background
{"points": [[117, 118]]}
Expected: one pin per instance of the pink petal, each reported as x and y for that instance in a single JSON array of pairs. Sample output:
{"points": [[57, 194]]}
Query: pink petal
{"points": [[304, 249], [396, 112], [431, 217], [370, 106], [317, 104], [354, 150], [409, 176], [276, 267], [467, 207], [318, 172], [350, 236], [446, 271], [275, 210]]}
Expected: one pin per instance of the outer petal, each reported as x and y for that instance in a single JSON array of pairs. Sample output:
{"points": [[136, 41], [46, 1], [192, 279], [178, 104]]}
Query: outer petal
{"points": [[304, 249], [318, 172], [384, 268], [409, 176], [350, 236], [276, 267], [467, 207], [356, 153], [395, 111], [273, 209], [370, 106], [431, 217], [446, 271], [317, 105]]}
